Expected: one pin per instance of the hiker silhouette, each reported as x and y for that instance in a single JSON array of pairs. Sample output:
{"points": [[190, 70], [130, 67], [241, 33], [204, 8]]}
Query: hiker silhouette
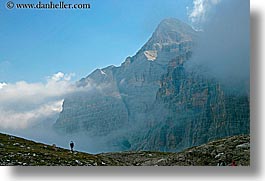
{"points": [[72, 145]]}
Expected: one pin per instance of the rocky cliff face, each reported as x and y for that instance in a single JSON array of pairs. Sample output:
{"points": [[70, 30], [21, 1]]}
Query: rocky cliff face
{"points": [[152, 102], [199, 109], [122, 95], [98, 109]]}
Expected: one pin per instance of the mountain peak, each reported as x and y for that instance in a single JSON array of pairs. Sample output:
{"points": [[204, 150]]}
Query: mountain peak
{"points": [[173, 30], [172, 24], [169, 31]]}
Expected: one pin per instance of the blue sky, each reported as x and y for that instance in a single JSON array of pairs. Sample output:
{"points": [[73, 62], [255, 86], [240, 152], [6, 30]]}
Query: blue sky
{"points": [[35, 44]]}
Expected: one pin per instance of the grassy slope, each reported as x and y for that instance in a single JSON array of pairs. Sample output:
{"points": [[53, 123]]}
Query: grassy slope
{"points": [[18, 151]]}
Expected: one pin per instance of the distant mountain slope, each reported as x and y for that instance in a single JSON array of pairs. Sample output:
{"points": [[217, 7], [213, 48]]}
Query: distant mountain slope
{"points": [[153, 101], [121, 96], [18, 151]]}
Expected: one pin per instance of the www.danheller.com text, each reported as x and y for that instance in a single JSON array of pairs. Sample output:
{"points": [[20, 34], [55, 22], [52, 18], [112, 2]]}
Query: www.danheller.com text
{"points": [[49, 5]]}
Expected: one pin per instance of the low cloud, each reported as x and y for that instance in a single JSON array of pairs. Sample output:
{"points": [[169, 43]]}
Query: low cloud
{"points": [[2, 85], [13, 119], [223, 48], [24, 104], [29, 110], [200, 11]]}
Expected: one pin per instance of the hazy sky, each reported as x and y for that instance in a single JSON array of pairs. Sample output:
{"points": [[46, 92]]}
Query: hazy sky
{"points": [[35, 44]]}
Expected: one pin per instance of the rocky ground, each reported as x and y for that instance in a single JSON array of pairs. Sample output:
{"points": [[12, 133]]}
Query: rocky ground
{"points": [[18, 151], [226, 150]]}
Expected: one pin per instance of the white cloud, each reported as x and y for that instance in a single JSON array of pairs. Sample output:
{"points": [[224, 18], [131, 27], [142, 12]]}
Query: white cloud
{"points": [[56, 86], [61, 76], [12, 119], [57, 77], [198, 14], [2, 85], [23, 104]]}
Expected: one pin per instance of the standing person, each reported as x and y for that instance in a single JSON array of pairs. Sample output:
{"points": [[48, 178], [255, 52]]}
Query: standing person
{"points": [[72, 146]]}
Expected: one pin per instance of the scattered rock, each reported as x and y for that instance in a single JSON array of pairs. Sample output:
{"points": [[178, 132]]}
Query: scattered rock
{"points": [[160, 160], [244, 146], [219, 155], [181, 158], [11, 154]]}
